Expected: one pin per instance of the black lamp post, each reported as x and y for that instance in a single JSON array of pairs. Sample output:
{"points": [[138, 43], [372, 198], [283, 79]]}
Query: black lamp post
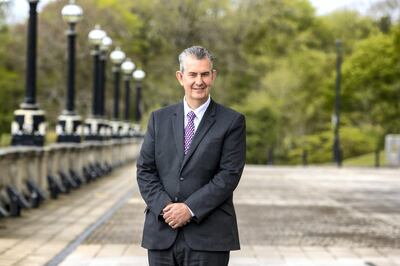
{"points": [[337, 156], [104, 128], [127, 68], [29, 126], [117, 57], [104, 48], [138, 75], [91, 131], [69, 123], [30, 90]]}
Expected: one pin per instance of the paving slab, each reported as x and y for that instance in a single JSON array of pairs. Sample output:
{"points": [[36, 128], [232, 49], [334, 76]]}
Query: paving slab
{"points": [[287, 216], [290, 216], [39, 235]]}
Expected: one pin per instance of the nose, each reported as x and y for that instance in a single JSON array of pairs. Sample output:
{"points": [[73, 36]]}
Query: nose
{"points": [[199, 80]]}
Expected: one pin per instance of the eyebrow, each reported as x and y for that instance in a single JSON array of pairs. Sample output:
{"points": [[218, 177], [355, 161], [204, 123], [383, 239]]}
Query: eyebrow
{"points": [[204, 72]]}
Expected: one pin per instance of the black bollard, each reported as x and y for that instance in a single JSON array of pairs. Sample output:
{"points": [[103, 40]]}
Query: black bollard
{"points": [[377, 158], [305, 157], [270, 156]]}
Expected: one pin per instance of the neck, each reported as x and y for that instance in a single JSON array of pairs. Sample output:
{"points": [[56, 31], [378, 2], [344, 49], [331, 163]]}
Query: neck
{"points": [[195, 104]]}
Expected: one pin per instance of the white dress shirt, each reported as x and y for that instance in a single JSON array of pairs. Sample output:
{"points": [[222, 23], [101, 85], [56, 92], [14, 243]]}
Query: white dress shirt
{"points": [[199, 112]]}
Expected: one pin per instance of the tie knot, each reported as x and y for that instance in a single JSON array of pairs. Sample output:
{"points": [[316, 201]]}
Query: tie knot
{"points": [[191, 115]]}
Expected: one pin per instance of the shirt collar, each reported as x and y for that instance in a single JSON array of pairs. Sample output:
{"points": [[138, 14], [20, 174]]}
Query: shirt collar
{"points": [[199, 111]]}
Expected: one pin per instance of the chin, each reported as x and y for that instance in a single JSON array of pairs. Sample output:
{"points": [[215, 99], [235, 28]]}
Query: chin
{"points": [[200, 97]]}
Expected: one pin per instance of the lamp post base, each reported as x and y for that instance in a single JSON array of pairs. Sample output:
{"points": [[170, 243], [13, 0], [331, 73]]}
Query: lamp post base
{"points": [[28, 127], [117, 129], [69, 128], [96, 129], [125, 129]]}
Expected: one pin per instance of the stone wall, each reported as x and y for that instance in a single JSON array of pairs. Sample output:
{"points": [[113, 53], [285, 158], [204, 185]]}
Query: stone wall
{"points": [[31, 175]]}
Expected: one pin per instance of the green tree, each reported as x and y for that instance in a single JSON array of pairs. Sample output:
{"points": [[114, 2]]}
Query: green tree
{"points": [[262, 126], [120, 24], [348, 26], [275, 62], [371, 85], [10, 89]]}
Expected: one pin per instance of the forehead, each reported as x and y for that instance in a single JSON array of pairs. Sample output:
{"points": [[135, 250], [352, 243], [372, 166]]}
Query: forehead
{"points": [[192, 64]]}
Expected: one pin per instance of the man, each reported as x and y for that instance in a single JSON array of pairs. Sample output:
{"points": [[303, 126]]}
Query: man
{"points": [[190, 163]]}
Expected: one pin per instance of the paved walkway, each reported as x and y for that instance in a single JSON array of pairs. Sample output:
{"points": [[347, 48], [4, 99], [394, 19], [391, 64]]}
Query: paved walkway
{"points": [[40, 234], [287, 216]]}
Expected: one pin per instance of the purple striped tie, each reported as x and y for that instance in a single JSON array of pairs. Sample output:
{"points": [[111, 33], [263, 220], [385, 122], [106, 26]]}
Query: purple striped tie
{"points": [[189, 131]]}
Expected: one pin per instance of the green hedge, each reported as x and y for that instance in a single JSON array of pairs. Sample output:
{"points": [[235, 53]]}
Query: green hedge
{"points": [[354, 141]]}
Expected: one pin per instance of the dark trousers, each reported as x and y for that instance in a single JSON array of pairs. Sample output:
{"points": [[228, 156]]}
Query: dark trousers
{"points": [[180, 254]]}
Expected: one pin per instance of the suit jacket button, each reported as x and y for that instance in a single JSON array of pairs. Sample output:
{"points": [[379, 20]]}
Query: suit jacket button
{"points": [[181, 178]]}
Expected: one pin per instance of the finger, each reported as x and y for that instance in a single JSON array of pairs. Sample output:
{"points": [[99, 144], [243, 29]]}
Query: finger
{"points": [[168, 207], [170, 218], [168, 213], [175, 226]]}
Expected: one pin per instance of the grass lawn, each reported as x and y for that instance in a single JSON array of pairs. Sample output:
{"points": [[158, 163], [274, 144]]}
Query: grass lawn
{"points": [[365, 160]]}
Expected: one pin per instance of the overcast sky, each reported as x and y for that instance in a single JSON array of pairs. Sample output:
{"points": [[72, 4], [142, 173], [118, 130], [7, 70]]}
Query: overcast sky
{"points": [[20, 7], [326, 6]]}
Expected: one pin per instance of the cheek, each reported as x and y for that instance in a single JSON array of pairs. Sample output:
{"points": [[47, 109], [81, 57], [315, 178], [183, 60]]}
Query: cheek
{"points": [[190, 85], [186, 83]]}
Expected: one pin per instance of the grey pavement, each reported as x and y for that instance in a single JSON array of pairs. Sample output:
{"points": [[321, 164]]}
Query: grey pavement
{"points": [[287, 216]]}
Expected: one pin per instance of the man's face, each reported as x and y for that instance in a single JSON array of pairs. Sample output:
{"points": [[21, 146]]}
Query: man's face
{"points": [[196, 79]]}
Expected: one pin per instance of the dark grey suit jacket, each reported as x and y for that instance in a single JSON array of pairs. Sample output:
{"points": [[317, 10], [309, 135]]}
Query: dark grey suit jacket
{"points": [[204, 179]]}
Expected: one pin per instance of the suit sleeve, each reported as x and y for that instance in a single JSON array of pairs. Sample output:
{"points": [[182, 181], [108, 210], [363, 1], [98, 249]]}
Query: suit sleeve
{"points": [[148, 180], [221, 186]]}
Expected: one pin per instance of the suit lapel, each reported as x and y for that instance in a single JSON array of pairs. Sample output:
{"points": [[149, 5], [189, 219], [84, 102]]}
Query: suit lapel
{"points": [[177, 125], [206, 122]]}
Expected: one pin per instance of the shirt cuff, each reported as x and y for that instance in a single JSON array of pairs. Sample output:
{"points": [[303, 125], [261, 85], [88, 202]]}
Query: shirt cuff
{"points": [[191, 213]]}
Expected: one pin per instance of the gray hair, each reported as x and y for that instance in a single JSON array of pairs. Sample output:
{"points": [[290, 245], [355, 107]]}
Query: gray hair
{"points": [[196, 51]]}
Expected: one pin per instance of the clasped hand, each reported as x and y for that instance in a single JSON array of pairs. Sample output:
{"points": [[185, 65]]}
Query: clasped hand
{"points": [[176, 215]]}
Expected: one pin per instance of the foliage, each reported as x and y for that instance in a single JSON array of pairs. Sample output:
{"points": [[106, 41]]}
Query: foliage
{"points": [[262, 127], [355, 141], [366, 160], [5, 139], [10, 84], [371, 85], [348, 26], [4, 6], [275, 60]]}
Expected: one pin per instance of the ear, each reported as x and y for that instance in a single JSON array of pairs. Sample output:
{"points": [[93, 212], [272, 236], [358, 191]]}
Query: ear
{"points": [[214, 74], [179, 76]]}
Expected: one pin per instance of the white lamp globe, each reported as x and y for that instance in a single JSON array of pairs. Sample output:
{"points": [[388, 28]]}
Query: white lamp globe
{"points": [[139, 75], [72, 13], [128, 66], [106, 43], [117, 56], [96, 35]]}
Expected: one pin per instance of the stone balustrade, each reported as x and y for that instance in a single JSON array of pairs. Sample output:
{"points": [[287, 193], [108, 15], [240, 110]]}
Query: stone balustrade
{"points": [[30, 175]]}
